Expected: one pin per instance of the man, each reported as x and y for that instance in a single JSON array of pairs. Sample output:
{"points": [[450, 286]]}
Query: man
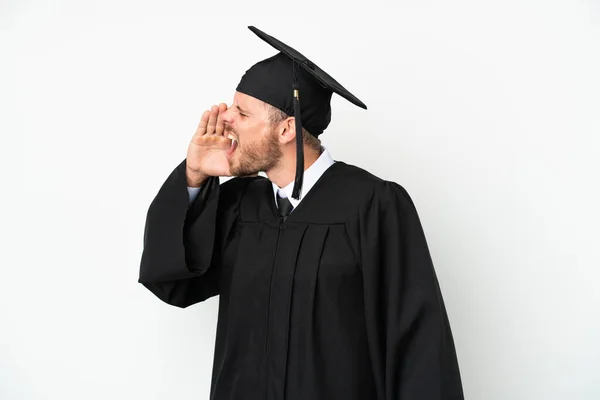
{"points": [[327, 289]]}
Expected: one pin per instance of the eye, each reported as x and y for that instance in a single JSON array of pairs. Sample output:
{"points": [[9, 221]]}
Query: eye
{"points": [[243, 115]]}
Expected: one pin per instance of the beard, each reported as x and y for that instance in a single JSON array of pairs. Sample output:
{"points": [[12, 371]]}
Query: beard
{"points": [[256, 157]]}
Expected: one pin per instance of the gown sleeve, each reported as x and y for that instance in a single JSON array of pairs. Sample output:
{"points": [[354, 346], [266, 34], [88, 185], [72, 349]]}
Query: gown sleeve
{"points": [[410, 340], [183, 240]]}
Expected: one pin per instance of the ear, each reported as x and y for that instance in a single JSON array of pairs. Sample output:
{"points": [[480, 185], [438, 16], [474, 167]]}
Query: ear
{"points": [[287, 132]]}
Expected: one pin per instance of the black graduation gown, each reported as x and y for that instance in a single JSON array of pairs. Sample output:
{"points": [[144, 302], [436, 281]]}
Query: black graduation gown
{"points": [[339, 302]]}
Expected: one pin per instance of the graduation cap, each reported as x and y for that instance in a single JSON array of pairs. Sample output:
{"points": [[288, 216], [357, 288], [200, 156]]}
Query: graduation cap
{"points": [[282, 80]]}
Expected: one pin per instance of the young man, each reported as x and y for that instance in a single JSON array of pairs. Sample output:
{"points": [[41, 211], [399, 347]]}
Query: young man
{"points": [[327, 289]]}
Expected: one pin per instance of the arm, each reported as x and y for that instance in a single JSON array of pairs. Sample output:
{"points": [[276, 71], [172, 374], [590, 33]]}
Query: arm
{"points": [[410, 338], [183, 236], [180, 262]]}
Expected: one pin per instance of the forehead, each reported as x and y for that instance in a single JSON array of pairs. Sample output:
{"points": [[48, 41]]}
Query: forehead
{"points": [[248, 103]]}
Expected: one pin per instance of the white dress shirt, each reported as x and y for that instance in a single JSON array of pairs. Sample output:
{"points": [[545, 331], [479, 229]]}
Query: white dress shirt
{"points": [[311, 176]]}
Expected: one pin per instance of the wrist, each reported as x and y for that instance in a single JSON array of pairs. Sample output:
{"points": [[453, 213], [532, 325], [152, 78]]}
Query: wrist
{"points": [[195, 178]]}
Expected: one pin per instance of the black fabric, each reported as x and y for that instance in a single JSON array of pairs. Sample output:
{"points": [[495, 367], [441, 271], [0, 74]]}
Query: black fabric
{"points": [[277, 79], [271, 80], [284, 205], [340, 301], [319, 76]]}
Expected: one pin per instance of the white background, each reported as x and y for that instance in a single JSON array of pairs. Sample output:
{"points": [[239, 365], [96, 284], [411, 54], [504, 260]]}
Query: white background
{"points": [[488, 113]]}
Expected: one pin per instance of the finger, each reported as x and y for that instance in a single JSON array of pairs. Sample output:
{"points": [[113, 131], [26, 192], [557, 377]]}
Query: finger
{"points": [[213, 142], [220, 123], [201, 130], [212, 120]]}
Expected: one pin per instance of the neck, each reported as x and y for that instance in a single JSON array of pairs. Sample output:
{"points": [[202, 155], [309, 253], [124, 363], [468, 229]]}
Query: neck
{"points": [[285, 172]]}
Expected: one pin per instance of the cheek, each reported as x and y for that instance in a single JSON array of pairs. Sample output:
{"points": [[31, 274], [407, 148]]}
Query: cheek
{"points": [[251, 132]]}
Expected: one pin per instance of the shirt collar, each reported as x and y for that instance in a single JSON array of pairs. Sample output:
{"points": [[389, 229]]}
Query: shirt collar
{"points": [[311, 176]]}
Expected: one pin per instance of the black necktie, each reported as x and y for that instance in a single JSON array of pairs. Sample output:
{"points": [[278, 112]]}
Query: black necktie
{"points": [[284, 206]]}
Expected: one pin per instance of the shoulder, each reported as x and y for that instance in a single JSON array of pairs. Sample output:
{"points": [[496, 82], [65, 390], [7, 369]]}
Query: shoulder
{"points": [[354, 176], [367, 187], [233, 189]]}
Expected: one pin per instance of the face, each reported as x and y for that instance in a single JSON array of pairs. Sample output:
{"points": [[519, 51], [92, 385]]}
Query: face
{"points": [[258, 149]]}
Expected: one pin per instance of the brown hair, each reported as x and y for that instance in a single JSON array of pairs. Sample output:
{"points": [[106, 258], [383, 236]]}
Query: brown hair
{"points": [[276, 116]]}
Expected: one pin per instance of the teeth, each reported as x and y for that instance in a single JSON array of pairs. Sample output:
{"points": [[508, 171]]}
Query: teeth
{"points": [[233, 139]]}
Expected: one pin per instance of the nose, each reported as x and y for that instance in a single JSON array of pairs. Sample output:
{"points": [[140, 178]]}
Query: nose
{"points": [[226, 116]]}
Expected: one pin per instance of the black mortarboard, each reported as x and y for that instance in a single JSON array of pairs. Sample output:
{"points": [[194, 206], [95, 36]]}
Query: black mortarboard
{"points": [[280, 82]]}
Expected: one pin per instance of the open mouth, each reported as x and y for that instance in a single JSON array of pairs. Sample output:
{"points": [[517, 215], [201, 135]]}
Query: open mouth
{"points": [[234, 144]]}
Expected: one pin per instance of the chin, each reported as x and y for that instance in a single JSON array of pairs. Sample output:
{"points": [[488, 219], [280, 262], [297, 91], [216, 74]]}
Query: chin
{"points": [[236, 171]]}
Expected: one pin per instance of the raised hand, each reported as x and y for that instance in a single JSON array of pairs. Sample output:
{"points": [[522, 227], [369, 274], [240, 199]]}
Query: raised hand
{"points": [[207, 149]]}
